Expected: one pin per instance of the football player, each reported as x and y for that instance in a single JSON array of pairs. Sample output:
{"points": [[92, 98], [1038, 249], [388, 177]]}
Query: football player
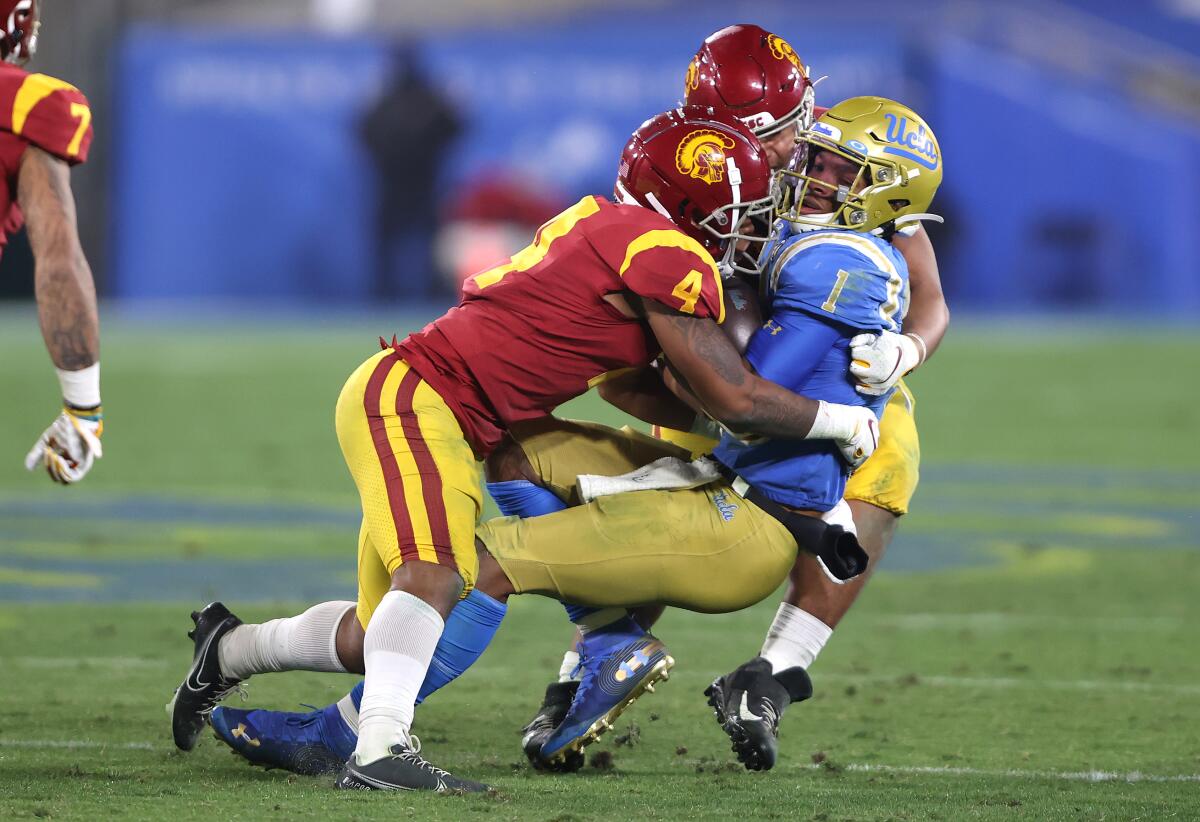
{"points": [[741, 526], [757, 77], [45, 128], [603, 286]]}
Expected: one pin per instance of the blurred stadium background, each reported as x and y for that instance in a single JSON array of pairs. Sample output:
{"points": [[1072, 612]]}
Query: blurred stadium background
{"points": [[274, 184]]}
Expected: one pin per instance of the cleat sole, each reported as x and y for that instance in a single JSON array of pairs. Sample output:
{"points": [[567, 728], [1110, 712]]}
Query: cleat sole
{"points": [[659, 673]]}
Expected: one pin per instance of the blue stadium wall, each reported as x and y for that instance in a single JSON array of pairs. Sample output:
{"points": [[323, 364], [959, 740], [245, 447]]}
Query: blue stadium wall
{"points": [[239, 174]]}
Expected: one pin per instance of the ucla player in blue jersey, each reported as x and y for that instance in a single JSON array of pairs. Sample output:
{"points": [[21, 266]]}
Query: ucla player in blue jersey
{"points": [[872, 165]]}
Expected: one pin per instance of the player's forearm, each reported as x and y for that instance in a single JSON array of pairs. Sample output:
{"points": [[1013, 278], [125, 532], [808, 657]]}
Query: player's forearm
{"points": [[642, 394], [66, 299], [712, 370], [928, 315], [66, 295]]}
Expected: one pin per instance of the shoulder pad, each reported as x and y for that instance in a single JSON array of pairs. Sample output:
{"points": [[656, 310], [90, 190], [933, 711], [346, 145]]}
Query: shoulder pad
{"points": [[49, 113], [850, 277]]}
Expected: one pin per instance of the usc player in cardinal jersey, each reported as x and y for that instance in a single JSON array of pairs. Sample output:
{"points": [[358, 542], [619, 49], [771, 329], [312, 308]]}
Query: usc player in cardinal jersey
{"points": [[756, 76], [604, 286], [45, 128]]}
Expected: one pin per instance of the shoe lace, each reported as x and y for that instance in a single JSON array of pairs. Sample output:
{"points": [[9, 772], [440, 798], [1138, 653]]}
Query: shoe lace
{"points": [[411, 752], [227, 687]]}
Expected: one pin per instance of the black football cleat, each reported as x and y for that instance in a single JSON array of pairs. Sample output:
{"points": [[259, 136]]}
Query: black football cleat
{"points": [[404, 770], [748, 703], [204, 686], [555, 705]]}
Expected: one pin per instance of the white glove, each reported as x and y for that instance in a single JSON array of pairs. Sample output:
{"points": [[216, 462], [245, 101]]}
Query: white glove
{"points": [[69, 446], [853, 428], [878, 361]]}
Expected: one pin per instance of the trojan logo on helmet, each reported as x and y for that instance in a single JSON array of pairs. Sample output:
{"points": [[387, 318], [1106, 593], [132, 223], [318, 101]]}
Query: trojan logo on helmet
{"points": [[707, 174], [701, 155]]}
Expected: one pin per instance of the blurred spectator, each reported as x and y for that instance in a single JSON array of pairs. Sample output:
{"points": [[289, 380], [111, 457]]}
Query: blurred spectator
{"points": [[490, 219], [407, 132]]}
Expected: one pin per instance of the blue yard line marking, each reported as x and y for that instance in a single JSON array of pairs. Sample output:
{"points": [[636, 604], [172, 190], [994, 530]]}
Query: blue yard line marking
{"points": [[926, 544], [180, 580]]}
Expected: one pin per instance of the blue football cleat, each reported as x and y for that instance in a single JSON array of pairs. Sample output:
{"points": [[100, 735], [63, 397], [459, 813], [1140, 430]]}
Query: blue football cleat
{"points": [[313, 743], [611, 681]]}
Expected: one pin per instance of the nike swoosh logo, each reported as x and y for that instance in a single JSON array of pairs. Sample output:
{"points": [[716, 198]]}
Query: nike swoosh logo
{"points": [[744, 712], [194, 674]]}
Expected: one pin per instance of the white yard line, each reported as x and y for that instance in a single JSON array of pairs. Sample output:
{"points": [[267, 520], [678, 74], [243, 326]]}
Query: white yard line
{"points": [[854, 767], [1016, 773], [985, 620], [123, 662], [915, 680], [78, 743]]}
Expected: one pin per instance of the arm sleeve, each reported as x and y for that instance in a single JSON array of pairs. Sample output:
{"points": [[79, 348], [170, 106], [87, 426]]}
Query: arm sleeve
{"points": [[792, 345], [54, 116]]}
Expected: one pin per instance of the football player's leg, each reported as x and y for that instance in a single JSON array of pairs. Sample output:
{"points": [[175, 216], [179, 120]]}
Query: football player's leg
{"points": [[319, 741], [226, 652], [878, 495], [420, 495], [626, 550], [533, 473]]}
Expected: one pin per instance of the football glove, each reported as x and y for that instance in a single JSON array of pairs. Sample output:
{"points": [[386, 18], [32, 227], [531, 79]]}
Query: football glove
{"points": [[853, 428], [878, 361], [69, 446]]}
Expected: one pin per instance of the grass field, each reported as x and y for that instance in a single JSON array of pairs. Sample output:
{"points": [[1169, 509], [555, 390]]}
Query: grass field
{"points": [[1028, 651]]}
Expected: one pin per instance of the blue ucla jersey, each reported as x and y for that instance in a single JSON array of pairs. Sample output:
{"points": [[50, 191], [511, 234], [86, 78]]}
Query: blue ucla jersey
{"points": [[826, 287]]}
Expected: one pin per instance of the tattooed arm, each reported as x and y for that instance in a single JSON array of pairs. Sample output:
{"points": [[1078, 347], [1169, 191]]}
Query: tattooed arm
{"points": [[714, 373], [66, 295]]}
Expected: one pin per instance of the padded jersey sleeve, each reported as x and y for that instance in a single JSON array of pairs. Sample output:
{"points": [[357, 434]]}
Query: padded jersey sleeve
{"points": [[840, 276], [51, 114], [670, 267]]}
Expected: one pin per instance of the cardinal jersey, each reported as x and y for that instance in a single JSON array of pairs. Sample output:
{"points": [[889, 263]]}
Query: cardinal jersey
{"points": [[828, 286], [536, 331], [44, 112]]}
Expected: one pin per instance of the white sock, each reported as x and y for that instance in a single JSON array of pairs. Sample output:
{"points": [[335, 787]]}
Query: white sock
{"points": [[307, 642], [349, 712], [566, 672], [794, 638], [397, 649]]}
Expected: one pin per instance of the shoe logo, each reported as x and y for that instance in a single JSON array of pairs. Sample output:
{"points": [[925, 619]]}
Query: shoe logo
{"points": [[240, 733], [744, 712], [630, 666], [194, 682]]}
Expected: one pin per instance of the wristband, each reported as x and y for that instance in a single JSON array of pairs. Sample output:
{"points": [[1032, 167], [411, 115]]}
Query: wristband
{"points": [[81, 389], [920, 341]]}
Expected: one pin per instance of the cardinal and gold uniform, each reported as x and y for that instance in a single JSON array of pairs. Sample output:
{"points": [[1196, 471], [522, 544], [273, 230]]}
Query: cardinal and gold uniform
{"points": [[37, 110], [528, 335]]}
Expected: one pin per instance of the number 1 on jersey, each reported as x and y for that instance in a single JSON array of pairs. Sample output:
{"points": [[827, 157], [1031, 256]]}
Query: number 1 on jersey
{"points": [[830, 303]]}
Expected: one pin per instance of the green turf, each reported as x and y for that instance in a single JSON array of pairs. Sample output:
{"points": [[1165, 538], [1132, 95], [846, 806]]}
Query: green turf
{"points": [[987, 691]]}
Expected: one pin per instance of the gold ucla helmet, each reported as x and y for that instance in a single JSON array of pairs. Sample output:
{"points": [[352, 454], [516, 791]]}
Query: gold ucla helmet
{"points": [[898, 159]]}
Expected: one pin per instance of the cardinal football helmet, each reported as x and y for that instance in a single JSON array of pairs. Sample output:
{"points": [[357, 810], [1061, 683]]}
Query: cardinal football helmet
{"points": [[706, 174], [753, 75]]}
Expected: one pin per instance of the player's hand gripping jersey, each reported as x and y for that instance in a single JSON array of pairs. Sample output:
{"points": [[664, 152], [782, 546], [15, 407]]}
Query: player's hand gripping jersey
{"points": [[40, 111], [828, 286], [537, 331]]}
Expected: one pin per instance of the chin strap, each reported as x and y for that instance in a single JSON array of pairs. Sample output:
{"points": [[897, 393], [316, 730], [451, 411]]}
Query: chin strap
{"points": [[916, 218]]}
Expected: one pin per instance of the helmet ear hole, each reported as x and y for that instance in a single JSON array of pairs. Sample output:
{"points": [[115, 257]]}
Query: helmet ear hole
{"points": [[899, 204]]}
